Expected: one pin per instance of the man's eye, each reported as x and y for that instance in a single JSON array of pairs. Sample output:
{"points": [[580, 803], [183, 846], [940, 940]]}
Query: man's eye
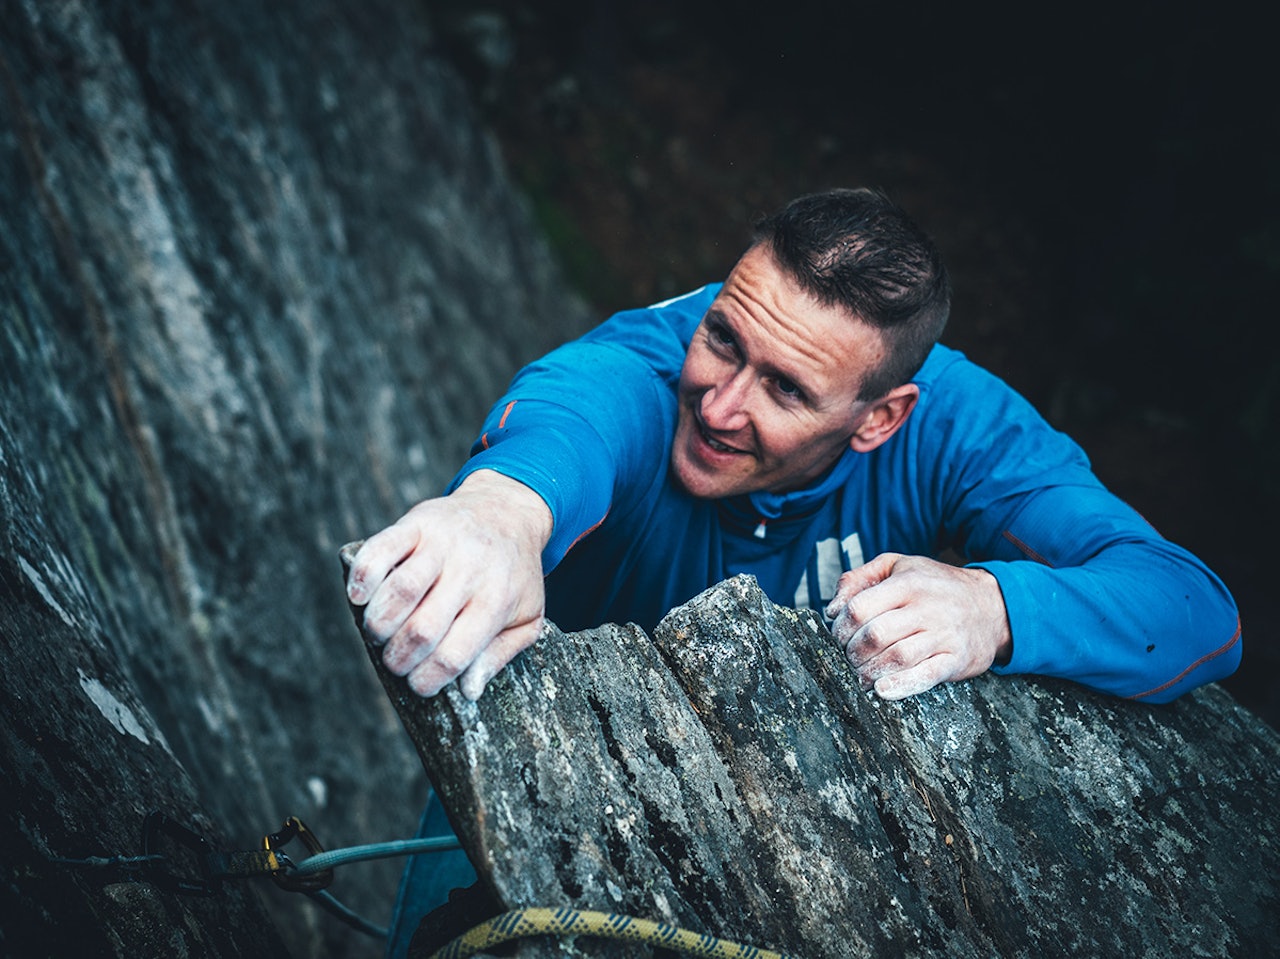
{"points": [[721, 336], [787, 388], [721, 341]]}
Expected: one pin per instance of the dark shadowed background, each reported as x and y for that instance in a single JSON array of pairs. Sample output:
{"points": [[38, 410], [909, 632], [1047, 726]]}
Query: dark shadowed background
{"points": [[1098, 179]]}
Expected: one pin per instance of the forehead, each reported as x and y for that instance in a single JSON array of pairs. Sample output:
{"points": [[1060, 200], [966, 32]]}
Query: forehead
{"points": [[788, 330]]}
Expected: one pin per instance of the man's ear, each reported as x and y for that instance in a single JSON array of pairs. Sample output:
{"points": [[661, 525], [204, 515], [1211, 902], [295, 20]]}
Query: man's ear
{"points": [[884, 417]]}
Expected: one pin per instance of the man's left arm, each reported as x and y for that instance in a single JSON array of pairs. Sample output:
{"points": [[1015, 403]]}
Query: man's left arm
{"points": [[1126, 611], [1064, 578], [1140, 619]]}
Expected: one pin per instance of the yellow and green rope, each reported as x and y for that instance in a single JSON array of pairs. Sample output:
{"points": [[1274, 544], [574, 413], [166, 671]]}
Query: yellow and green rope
{"points": [[539, 921]]}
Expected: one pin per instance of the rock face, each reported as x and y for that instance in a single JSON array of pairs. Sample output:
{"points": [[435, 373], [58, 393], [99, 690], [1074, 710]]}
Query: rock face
{"points": [[728, 776], [261, 274]]}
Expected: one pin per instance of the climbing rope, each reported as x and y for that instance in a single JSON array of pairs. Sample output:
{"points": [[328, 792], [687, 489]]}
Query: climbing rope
{"points": [[520, 923], [324, 861]]}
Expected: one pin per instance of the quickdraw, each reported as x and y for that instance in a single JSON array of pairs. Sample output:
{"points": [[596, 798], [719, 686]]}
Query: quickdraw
{"points": [[166, 842], [178, 859]]}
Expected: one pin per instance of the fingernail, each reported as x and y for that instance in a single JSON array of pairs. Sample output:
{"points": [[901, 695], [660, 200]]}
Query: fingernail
{"points": [[371, 633], [473, 687], [888, 691], [425, 693]]}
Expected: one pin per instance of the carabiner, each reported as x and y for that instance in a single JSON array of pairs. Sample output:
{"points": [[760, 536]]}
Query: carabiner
{"points": [[294, 828]]}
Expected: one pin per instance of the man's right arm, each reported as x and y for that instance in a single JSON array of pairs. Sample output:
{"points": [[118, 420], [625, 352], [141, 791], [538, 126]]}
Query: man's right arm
{"points": [[454, 588]]}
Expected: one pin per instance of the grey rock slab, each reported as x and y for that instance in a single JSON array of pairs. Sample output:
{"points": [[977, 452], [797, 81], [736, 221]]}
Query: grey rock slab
{"points": [[730, 776]]}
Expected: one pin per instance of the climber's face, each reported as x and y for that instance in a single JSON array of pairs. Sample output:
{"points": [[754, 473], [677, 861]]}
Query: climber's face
{"points": [[769, 390]]}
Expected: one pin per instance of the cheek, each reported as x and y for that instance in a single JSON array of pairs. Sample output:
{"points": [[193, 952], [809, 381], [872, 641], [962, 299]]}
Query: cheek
{"points": [[796, 445], [696, 376], [775, 439]]}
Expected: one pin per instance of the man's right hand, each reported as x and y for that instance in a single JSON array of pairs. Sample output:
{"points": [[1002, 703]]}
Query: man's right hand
{"points": [[455, 587]]}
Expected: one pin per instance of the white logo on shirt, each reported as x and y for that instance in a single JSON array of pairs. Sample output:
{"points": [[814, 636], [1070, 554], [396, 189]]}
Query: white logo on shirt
{"points": [[830, 558]]}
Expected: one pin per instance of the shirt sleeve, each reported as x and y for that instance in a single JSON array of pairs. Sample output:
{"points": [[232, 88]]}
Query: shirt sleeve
{"points": [[580, 425], [1093, 592]]}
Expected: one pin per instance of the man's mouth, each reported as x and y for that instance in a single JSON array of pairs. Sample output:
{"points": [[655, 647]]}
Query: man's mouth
{"points": [[714, 443], [718, 446]]}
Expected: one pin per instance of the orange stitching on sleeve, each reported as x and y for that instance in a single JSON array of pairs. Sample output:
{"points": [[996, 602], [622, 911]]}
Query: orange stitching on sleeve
{"points": [[505, 413], [1196, 665], [587, 532], [484, 440]]}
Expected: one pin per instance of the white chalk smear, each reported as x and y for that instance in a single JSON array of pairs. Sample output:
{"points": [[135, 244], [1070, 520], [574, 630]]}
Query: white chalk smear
{"points": [[43, 589], [319, 790], [208, 714], [118, 714]]}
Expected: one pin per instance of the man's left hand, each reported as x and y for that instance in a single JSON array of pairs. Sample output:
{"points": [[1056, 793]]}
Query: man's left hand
{"points": [[908, 623]]}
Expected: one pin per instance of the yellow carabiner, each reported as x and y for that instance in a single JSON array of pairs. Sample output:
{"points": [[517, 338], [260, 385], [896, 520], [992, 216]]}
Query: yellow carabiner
{"points": [[294, 828]]}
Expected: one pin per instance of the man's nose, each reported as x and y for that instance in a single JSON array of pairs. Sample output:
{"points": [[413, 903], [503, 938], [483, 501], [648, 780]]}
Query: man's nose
{"points": [[724, 406]]}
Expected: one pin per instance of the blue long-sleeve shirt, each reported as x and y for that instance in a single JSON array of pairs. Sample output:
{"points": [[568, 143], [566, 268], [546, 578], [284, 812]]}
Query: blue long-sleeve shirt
{"points": [[1094, 594]]}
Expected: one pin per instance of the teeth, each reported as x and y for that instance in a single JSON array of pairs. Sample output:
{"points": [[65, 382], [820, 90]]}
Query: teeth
{"points": [[715, 445]]}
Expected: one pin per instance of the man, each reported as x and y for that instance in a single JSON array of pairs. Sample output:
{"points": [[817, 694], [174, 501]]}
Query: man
{"points": [[791, 423]]}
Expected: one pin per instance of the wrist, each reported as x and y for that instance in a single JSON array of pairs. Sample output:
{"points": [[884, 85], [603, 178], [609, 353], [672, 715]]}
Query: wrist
{"points": [[996, 616], [522, 508]]}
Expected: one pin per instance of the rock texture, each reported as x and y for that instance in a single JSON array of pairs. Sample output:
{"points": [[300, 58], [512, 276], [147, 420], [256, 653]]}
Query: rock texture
{"points": [[727, 775], [260, 273]]}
